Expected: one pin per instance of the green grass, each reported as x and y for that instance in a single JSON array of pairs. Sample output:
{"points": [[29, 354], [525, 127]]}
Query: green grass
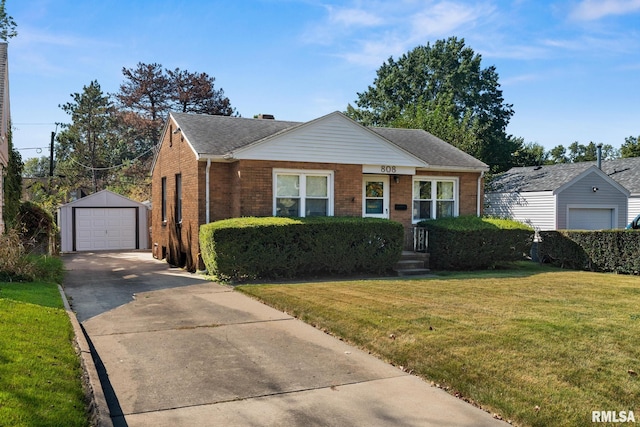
{"points": [[537, 345], [40, 374]]}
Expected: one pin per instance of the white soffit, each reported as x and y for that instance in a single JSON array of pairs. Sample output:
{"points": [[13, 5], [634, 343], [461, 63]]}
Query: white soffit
{"points": [[330, 139]]}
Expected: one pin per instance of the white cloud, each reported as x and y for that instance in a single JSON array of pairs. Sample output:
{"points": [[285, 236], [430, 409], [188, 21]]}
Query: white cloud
{"points": [[353, 17], [522, 78], [591, 10], [369, 33], [445, 18], [373, 53]]}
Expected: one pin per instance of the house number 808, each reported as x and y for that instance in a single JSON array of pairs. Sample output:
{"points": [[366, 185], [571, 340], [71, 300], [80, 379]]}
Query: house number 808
{"points": [[387, 169]]}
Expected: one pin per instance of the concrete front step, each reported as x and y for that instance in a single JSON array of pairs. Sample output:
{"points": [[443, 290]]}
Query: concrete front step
{"points": [[412, 264], [405, 264]]}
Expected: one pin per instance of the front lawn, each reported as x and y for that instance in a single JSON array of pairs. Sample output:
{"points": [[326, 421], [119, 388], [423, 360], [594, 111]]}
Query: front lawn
{"points": [[537, 345], [40, 374]]}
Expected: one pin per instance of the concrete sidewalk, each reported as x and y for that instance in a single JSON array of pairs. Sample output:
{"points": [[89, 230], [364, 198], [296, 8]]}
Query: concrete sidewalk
{"points": [[205, 355]]}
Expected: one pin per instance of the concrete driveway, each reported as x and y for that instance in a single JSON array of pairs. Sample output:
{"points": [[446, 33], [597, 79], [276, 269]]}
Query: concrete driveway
{"points": [[181, 351]]}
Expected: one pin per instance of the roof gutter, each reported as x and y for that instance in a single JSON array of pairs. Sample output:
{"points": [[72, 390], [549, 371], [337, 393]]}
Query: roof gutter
{"points": [[479, 206]]}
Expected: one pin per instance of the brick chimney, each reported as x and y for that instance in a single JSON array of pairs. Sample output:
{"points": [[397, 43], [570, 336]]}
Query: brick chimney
{"points": [[266, 116]]}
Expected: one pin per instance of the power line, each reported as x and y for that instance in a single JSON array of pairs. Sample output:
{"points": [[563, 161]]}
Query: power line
{"points": [[38, 149], [34, 124], [111, 167]]}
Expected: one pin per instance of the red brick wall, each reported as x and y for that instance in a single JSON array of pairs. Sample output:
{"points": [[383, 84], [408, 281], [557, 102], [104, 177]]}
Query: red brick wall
{"points": [[468, 189], [253, 186], [176, 157]]}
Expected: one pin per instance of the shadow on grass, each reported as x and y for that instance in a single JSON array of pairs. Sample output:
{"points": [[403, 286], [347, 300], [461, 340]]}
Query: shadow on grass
{"points": [[505, 270]]}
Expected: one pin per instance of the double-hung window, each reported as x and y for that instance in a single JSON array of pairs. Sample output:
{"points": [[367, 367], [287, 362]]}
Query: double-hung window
{"points": [[164, 199], [302, 193], [178, 202], [434, 198]]}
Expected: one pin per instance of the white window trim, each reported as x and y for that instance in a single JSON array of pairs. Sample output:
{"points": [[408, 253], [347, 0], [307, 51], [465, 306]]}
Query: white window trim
{"points": [[385, 198], [303, 172], [434, 180]]}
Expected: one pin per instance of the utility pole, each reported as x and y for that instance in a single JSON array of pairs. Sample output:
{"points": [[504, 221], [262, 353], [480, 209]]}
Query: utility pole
{"points": [[53, 135]]}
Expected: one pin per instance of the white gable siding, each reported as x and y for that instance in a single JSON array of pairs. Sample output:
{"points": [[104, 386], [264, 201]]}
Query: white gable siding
{"points": [[329, 140], [534, 208], [634, 207], [581, 193]]}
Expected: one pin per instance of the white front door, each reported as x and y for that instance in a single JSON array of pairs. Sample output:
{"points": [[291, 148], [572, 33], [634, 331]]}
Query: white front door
{"points": [[375, 196]]}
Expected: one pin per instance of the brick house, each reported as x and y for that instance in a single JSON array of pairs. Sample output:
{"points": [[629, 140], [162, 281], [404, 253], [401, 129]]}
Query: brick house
{"points": [[210, 168]]}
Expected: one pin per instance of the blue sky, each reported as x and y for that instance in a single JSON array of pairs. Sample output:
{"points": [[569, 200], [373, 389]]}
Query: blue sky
{"points": [[570, 68]]}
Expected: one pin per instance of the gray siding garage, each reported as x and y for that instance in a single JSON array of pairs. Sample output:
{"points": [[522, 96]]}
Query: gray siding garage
{"points": [[103, 221], [569, 196]]}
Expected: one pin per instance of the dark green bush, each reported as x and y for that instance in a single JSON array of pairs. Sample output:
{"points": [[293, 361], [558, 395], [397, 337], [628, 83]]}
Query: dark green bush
{"points": [[607, 251], [248, 248], [472, 243]]}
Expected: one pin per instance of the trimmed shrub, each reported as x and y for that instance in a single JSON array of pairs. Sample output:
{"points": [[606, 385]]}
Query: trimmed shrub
{"points": [[270, 247], [472, 243], [606, 251]]}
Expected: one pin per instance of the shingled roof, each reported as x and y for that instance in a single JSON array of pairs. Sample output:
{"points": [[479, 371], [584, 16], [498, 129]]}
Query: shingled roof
{"points": [[219, 135], [625, 172]]}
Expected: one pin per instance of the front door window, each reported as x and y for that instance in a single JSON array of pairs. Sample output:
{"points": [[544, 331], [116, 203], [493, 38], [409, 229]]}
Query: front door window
{"points": [[376, 196]]}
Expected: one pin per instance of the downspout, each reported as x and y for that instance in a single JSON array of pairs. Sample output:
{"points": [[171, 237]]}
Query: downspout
{"points": [[479, 198], [207, 191]]}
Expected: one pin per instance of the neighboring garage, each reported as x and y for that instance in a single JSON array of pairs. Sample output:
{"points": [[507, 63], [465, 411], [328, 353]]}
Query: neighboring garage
{"points": [[103, 221], [580, 218], [574, 196]]}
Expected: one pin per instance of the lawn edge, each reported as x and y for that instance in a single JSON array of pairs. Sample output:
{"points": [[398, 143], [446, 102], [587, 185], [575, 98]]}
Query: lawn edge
{"points": [[99, 414]]}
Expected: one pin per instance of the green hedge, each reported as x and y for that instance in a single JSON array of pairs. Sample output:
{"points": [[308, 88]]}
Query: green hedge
{"points": [[249, 248], [472, 243], [606, 251]]}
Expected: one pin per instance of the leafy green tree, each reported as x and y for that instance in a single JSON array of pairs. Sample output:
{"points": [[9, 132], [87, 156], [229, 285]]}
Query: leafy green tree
{"points": [[439, 121], [582, 153], [577, 152], [631, 147], [610, 152], [88, 148], [441, 86], [7, 24], [529, 154], [12, 184], [36, 167], [589, 153], [558, 154]]}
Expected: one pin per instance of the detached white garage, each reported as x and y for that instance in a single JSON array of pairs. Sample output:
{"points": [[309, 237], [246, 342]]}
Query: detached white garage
{"points": [[103, 221]]}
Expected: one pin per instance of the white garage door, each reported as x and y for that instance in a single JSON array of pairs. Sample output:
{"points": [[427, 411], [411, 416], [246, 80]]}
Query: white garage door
{"points": [[590, 219], [105, 229]]}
